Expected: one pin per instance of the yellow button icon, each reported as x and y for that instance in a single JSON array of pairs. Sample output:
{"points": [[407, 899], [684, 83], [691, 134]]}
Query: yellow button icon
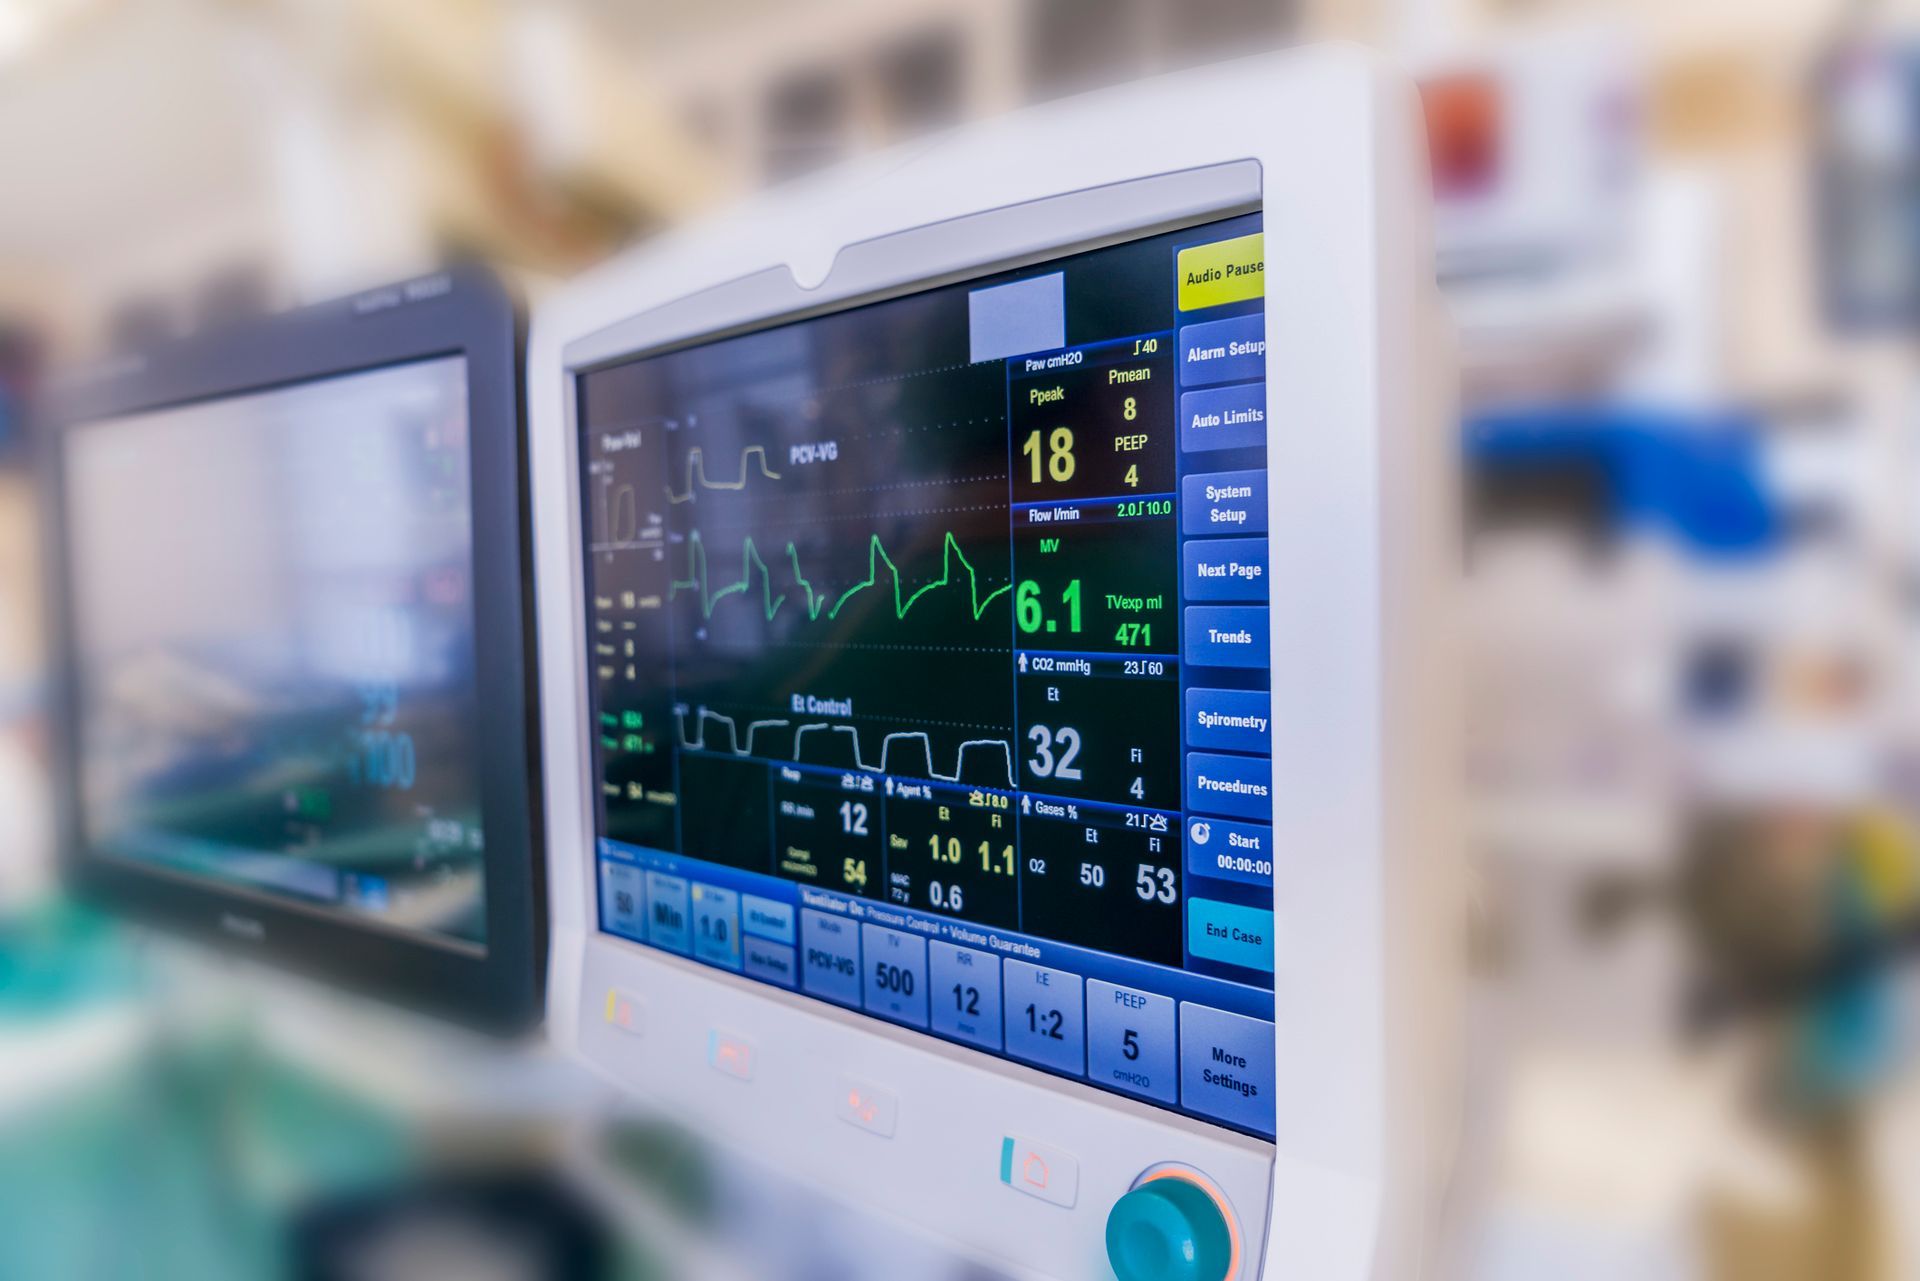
{"points": [[1223, 272]]}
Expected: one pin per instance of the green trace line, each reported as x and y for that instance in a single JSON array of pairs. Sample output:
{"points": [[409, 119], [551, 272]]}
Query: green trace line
{"points": [[698, 579]]}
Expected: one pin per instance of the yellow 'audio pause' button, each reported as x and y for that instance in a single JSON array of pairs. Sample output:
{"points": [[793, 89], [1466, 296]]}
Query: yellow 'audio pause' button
{"points": [[1223, 272]]}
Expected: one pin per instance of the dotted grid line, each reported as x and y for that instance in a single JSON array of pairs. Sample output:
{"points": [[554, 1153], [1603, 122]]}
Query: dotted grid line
{"points": [[822, 520], [989, 419], [875, 645], [898, 378], [899, 484]]}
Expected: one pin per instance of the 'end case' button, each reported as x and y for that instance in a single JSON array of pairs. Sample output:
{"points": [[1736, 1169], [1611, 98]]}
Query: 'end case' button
{"points": [[1226, 1067], [1231, 934]]}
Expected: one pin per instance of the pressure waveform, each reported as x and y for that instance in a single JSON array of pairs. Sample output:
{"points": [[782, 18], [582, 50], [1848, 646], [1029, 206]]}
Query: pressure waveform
{"points": [[697, 474], [698, 580], [699, 743]]}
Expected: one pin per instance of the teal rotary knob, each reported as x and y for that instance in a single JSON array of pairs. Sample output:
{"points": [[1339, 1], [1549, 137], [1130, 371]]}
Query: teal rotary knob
{"points": [[1168, 1230]]}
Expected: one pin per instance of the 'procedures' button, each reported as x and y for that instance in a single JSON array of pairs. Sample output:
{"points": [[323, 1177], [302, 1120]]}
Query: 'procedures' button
{"points": [[1236, 786]]}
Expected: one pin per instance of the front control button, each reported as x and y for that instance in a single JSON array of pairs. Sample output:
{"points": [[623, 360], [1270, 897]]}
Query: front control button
{"points": [[1168, 1230]]}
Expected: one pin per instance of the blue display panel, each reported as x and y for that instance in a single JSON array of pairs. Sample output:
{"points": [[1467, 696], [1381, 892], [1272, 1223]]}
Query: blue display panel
{"points": [[930, 649]]}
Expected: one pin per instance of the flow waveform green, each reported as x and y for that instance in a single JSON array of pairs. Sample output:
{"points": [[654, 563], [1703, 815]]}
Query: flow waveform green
{"points": [[750, 560]]}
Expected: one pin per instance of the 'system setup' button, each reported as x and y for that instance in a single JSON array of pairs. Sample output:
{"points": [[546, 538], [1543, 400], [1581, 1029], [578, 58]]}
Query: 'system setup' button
{"points": [[1223, 502]]}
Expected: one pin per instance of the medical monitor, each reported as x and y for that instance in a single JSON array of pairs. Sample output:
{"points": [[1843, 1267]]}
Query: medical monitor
{"points": [[293, 677], [975, 728]]}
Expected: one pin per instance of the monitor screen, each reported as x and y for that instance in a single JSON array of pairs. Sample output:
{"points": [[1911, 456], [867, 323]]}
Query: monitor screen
{"points": [[272, 614], [929, 652]]}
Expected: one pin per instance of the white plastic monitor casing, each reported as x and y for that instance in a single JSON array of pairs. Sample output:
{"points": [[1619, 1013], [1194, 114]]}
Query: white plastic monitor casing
{"points": [[1327, 145]]}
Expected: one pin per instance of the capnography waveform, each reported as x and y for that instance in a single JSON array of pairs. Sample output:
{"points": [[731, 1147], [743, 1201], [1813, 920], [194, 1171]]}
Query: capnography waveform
{"points": [[699, 743]]}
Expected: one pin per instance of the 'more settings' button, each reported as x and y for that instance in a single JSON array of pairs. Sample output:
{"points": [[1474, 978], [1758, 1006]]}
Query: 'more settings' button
{"points": [[1223, 502], [1223, 272], [1223, 351]]}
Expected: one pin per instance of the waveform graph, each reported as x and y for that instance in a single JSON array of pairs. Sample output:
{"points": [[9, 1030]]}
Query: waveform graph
{"points": [[694, 479]]}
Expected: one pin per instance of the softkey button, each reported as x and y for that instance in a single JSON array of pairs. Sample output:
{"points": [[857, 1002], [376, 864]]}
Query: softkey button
{"points": [[1130, 1041], [1226, 1066], [1044, 1018]]}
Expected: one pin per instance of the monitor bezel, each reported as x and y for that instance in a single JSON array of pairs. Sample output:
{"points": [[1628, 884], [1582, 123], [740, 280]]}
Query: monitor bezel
{"points": [[1361, 774], [498, 985]]}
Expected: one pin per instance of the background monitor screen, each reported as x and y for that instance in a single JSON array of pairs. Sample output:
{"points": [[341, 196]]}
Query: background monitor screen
{"points": [[930, 652], [274, 651]]}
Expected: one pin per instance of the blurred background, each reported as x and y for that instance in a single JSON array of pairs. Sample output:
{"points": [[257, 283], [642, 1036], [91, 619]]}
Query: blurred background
{"points": [[1680, 244]]}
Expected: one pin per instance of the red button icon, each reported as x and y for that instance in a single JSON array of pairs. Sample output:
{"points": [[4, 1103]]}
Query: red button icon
{"points": [[869, 1107]]}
